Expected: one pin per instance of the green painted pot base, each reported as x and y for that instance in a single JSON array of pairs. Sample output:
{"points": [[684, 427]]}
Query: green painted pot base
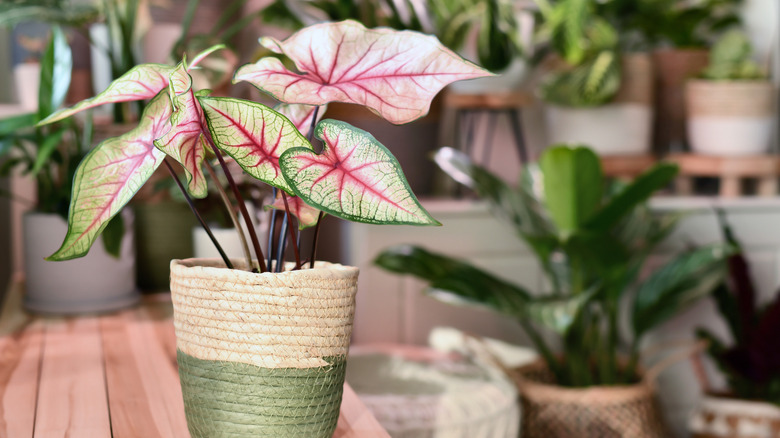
{"points": [[231, 399]]}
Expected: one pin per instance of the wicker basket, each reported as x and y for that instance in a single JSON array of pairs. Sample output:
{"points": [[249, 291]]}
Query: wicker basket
{"points": [[262, 355], [724, 417], [551, 411]]}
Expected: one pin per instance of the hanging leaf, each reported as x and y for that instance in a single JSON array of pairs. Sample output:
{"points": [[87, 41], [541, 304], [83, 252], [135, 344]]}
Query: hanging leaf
{"points": [[109, 176], [393, 73], [306, 214], [302, 116], [354, 178], [139, 83], [186, 140], [253, 135], [56, 67]]}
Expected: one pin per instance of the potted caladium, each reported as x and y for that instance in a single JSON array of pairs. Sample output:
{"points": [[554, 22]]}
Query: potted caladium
{"points": [[261, 344]]}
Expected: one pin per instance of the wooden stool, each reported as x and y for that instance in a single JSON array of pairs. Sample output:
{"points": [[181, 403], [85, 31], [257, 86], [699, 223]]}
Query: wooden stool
{"points": [[467, 106], [730, 170], [626, 167]]}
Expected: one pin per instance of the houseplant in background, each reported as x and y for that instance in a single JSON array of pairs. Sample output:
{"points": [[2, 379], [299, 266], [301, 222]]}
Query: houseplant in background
{"points": [[101, 282], [731, 106], [597, 92], [751, 364], [263, 353], [591, 241]]}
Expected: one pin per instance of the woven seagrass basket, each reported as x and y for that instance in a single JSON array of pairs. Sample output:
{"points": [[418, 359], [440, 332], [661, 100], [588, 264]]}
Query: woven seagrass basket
{"points": [[262, 355], [552, 411]]}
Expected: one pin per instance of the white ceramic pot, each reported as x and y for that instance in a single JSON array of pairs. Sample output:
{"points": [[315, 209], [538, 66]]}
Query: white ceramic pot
{"points": [[622, 127], [96, 282], [612, 129], [730, 118], [721, 417], [27, 78]]}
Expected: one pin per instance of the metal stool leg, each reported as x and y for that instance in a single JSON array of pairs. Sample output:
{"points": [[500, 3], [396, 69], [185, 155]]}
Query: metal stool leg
{"points": [[491, 130], [517, 127]]}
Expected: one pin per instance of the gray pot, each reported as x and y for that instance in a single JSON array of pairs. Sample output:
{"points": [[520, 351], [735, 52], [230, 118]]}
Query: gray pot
{"points": [[96, 282]]}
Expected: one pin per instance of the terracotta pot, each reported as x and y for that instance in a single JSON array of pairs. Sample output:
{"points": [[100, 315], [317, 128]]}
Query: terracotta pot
{"points": [[724, 417], [262, 355], [673, 67], [730, 118]]}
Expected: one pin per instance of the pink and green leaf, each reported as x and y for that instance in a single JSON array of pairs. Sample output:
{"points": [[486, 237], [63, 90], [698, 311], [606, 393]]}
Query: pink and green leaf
{"points": [[186, 140], [109, 176], [139, 83], [307, 215], [302, 116], [354, 178], [253, 135], [394, 73]]}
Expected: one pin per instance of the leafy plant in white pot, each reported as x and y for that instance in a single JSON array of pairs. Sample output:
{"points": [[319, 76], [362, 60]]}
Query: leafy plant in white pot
{"points": [[261, 344], [595, 94], [732, 105], [103, 281]]}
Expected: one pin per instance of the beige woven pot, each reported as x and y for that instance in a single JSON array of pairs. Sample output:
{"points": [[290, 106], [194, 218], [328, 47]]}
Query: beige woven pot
{"points": [[730, 117], [551, 411], [724, 417], [262, 355]]}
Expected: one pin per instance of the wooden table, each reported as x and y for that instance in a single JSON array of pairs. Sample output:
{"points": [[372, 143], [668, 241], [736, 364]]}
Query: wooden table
{"points": [[112, 375]]}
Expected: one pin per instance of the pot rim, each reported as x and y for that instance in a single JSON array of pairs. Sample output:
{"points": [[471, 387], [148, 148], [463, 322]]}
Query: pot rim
{"points": [[216, 267]]}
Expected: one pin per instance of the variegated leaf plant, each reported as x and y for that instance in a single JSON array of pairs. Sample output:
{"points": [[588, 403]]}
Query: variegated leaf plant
{"points": [[395, 74]]}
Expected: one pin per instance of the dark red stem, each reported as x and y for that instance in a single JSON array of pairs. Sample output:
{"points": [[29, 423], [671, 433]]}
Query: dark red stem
{"points": [[292, 233], [316, 238], [242, 208], [197, 215]]}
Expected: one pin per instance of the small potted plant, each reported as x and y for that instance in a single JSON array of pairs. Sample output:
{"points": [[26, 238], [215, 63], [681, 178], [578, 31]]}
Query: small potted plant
{"points": [[751, 405], [591, 240], [262, 344], [731, 105], [104, 280], [597, 92]]}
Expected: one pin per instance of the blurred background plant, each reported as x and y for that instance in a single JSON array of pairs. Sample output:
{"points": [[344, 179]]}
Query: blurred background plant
{"points": [[751, 364], [592, 240], [731, 58]]}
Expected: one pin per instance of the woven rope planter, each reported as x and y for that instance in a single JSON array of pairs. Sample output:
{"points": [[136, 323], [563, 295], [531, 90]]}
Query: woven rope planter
{"points": [[262, 355], [551, 411]]}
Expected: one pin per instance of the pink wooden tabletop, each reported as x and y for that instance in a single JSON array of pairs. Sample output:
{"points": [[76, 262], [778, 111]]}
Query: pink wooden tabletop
{"points": [[111, 375]]}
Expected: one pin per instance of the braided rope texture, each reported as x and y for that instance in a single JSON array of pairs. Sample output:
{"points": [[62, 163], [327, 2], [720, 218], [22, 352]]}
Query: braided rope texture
{"points": [[262, 355]]}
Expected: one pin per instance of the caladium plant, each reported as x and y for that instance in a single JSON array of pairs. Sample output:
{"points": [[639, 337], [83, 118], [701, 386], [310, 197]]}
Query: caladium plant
{"points": [[394, 73]]}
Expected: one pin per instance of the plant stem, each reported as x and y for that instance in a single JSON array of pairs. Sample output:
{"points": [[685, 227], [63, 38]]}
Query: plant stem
{"points": [[233, 216], [543, 349], [281, 245], [292, 233], [310, 134], [197, 215], [242, 208], [271, 232], [316, 237]]}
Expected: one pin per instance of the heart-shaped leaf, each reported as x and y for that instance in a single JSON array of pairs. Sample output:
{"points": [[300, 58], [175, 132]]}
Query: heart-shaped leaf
{"points": [[253, 135], [186, 140], [302, 116], [139, 83], [354, 178], [393, 73], [307, 215], [109, 176]]}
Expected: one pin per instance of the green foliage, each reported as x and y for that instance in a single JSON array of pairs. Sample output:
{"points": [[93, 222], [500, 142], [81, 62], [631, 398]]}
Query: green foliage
{"points": [[592, 240], [751, 363], [730, 59], [588, 45], [50, 154]]}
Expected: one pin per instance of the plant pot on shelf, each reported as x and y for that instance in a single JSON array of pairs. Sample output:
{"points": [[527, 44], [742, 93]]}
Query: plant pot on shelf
{"points": [[724, 417], [621, 127], [552, 411], [673, 67], [161, 234], [262, 354], [730, 118], [97, 282]]}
